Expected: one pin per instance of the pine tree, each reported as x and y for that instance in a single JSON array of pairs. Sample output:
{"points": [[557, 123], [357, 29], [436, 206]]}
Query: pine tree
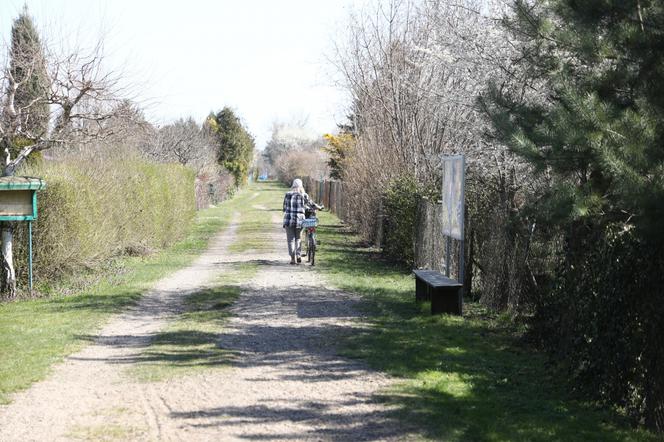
{"points": [[235, 144], [600, 129], [596, 128], [27, 66]]}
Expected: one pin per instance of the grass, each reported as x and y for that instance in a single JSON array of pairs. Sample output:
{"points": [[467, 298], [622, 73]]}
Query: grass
{"points": [[107, 432], [468, 378], [37, 333]]}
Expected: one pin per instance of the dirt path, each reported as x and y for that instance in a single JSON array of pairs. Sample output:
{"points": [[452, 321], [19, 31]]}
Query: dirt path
{"points": [[286, 381]]}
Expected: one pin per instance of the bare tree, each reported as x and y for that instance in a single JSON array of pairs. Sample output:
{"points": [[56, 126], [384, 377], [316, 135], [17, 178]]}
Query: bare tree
{"points": [[184, 142], [293, 150], [80, 97], [415, 70], [414, 90]]}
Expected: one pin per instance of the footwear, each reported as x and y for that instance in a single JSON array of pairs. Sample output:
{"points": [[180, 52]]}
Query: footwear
{"points": [[299, 260], [292, 259]]}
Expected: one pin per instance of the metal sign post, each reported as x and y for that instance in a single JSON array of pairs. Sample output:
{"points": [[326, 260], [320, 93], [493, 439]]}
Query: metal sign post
{"points": [[30, 255]]}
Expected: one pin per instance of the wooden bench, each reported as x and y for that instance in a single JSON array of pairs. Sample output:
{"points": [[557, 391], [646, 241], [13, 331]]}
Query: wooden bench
{"points": [[444, 293]]}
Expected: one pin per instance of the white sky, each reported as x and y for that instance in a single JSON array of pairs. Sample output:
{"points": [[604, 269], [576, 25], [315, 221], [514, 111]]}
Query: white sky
{"points": [[265, 59]]}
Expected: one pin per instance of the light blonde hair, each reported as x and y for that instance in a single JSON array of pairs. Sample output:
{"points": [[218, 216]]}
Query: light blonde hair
{"points": [[297, 185]]}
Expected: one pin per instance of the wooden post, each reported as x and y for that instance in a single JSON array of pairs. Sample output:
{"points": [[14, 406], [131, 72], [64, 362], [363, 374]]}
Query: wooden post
{"points": [[379, 228]]}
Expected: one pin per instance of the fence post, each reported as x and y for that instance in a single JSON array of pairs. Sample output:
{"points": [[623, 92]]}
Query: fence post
{"points": [[326, 190], [333, 196], [342, 205], [378, 242], [419, 244], [448, 254]]}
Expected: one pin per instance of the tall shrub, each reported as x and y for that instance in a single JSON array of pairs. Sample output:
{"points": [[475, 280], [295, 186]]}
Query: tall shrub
{"points": [[400, 202], [597, 130], [93, 210]]}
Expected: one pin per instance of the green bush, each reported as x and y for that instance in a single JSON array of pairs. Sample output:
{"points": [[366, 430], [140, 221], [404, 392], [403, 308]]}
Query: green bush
{"points": [[400, 202], [603, 317], [94, 210]]}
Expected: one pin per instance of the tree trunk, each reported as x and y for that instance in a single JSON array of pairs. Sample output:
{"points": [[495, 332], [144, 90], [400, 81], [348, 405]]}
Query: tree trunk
{"points": [[8, 273]]}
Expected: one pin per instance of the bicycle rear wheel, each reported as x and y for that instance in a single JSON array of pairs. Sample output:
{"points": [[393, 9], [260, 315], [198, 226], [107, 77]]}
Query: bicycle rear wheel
{"points": [[312, 249]]}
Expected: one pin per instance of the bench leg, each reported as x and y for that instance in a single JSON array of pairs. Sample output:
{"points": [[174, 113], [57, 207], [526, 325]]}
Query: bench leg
{"points": [[446, 300], [421, 291]]}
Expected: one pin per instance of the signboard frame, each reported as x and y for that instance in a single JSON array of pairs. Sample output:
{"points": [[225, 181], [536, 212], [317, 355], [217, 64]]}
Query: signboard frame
{"points": [[453, 196], [27, 217]]}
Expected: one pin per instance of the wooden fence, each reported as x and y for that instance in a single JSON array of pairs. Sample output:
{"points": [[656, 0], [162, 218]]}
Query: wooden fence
{"points": [[328, 193]]}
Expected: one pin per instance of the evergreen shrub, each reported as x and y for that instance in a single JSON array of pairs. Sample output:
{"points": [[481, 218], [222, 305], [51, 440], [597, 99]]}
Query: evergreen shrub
{"points": [[603, 318]]}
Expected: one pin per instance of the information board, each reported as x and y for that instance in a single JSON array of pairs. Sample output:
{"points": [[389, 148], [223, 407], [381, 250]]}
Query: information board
{"points": [[454, 175], [16, 203]]}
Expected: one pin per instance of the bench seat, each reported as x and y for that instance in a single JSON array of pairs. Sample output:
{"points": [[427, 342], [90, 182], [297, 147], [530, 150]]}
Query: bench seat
{"points": [[444, 293]]}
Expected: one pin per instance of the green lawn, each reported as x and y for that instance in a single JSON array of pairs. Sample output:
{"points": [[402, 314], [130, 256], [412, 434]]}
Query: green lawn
{"points": [[38, 333], [467, 378]]}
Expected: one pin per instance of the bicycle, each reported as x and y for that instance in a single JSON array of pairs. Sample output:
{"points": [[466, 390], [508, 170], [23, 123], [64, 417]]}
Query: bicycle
{"points": [[309, 224]]}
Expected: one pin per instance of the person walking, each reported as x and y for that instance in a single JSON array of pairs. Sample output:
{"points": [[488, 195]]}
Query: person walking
{"points": [[293, 216]]}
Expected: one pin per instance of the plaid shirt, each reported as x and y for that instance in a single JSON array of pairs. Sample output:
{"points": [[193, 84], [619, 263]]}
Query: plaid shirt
{"points": [[293, 209]]}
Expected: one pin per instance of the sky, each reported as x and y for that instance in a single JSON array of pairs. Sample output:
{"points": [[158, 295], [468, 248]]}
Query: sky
{"points": [[268, 60]]}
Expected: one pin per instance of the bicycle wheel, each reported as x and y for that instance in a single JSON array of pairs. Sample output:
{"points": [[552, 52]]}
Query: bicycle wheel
{"points": [[312, 249]]}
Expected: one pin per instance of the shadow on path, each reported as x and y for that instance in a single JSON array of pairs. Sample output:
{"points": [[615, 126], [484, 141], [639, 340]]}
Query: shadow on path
{"points": [[329, 420]]}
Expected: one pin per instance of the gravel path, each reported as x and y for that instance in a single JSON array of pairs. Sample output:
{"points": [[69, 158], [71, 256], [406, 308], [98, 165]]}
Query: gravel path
{"points": [[286, 381]]}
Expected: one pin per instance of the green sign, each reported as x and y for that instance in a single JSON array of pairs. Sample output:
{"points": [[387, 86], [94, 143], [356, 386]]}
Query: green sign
{"points": [[18, 198], [18, 202]]}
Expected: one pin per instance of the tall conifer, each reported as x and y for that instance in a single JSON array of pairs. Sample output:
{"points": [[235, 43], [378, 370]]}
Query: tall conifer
{"points": [[595, 128], [234, 143], [27, 65]]}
